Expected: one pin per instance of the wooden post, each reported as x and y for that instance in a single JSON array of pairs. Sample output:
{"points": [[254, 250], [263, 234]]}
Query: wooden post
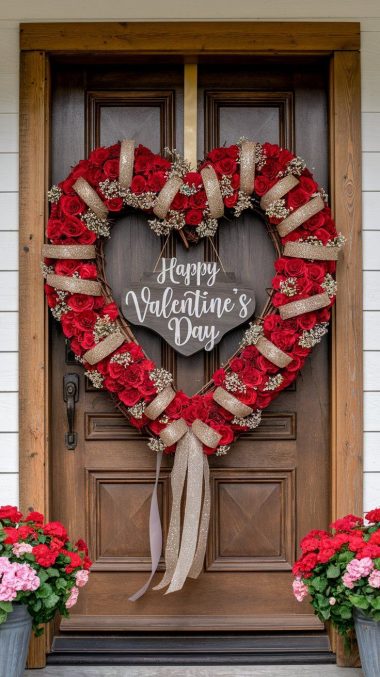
{"points": [[190, 112], [34, 130]]}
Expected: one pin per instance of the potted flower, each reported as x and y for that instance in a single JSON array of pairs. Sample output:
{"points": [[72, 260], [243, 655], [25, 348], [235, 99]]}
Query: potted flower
{"points": [[340, 570], [41, 572]]}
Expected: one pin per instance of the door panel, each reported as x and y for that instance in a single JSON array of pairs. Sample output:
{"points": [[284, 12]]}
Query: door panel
{"points": [[273, 485]]}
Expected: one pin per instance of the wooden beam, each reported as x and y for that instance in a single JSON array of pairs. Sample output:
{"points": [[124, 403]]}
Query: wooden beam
{"points": [[34, 131], [201, 37], [190, 113], [347, 344]]}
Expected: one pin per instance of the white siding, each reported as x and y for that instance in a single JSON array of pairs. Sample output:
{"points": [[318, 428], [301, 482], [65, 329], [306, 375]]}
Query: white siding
{"points": [[367, 12]]}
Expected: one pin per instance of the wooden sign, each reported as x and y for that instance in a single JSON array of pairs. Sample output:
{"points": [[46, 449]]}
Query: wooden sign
{"points": [[191, 305]]}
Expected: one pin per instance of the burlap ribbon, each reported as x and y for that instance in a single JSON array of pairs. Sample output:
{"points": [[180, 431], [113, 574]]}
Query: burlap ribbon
{"points": [[74, 285], [213, 192], [247, 167], [104, 347], [166, 196], [300, 215], [278, 191], [68, 251], [316, 252], [90, 197], [185, 552], [302, 306], [126, 162]]}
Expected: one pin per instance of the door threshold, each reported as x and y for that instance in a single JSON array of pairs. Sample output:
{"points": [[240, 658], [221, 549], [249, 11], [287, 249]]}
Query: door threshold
{"points": [[192, 649]]}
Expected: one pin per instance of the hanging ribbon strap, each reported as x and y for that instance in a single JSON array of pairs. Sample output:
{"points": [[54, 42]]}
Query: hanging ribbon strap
{"points": [[191, 446], [155, 533]]}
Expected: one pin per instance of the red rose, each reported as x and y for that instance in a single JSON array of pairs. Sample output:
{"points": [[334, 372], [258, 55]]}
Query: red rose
{"points": [[272, 322], [263, 400], [296, 198], [71, 205], [179, 202], [323, 235], [226, 166], [114, 204], [216, 154], [251, 376], [295, 267], [129, 396], [306, 322], [138, 185], [87, 237], [162, 163], [219, 377], [156, 182], [176, 406], [249, 397], [88, 271], [225, 431], [193, 179], [113, 386], [85, 321], [193, 217], [80, 302], [111, 169], [271, 169], [237, 365], [54, 229], [99, 156], [198, 200], [308, 184], [133, 375], [314, 222], [73, 227], [315, 272], [231, 200], [55, 529], [10, 512], [111, 310], [44, 556], [262, 185], [87, 340], [295, 364], [284, 339], [66, 267]]}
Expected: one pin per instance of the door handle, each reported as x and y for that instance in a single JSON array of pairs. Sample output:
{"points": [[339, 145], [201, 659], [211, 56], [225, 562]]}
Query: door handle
{"points": [[71, 396]]}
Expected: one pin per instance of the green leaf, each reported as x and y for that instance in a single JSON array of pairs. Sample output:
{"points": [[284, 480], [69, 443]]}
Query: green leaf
{"points": [[319, 583], [44, 591], [375, 603], [51, 601], [333, 571], [37, 606], [43, 575], [53, 573], [3, 616], [60, 584], [359, 601], [345, 612], [6, 606]]}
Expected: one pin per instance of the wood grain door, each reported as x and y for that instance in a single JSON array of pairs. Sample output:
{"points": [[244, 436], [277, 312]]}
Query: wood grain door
{"points": [[274, 484]]}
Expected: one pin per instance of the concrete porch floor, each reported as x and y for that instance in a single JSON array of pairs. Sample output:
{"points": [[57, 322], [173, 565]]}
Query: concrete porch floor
{"points": [[196, 671]]}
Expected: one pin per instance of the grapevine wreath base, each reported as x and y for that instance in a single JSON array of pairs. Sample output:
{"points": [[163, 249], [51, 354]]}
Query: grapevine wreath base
{"points": [[273, 349]]}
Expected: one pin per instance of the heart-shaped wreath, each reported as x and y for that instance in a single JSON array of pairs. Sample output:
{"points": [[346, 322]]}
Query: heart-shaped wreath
{"points": [[230, 180]]}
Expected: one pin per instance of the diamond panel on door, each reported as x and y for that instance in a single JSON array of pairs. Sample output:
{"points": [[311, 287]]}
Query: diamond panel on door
{"points": [[253, 522]]}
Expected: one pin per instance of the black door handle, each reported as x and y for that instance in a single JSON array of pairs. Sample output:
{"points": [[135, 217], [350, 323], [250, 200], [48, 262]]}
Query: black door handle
{"points": [[71, 396]]}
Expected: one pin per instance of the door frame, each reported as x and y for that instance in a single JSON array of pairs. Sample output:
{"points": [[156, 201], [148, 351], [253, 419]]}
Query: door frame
{"points": [[187, 42]]}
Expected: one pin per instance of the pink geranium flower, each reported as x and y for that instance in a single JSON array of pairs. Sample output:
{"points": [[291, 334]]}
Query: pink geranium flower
{"points": [[300, 590], [20, 549], [81, 578], [374, 579], [73, 598]]}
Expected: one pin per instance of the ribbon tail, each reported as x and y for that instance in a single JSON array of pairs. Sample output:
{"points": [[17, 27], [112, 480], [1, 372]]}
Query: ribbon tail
{"points": [[173, 540], [155, 533], [192, 510], [200, 553]]}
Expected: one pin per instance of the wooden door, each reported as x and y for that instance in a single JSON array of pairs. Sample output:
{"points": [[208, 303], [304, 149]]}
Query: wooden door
{"points": [[274, 484]]}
